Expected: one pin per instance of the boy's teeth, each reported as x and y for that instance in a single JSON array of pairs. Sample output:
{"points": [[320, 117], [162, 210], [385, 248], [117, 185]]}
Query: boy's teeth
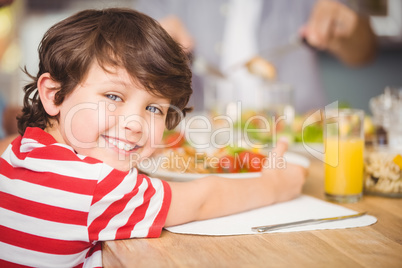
{"points": [[121, 145], [128, 148]]}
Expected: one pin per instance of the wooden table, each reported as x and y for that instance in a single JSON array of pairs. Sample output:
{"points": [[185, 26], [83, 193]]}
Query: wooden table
{"points": [[378, 245]]}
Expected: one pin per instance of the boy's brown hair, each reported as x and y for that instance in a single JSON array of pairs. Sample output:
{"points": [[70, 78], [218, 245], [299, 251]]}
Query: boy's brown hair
{"points": [[113, 37]]}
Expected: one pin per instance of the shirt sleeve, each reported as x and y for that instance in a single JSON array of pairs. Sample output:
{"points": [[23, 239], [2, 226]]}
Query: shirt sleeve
{"points": [[127, 205]]}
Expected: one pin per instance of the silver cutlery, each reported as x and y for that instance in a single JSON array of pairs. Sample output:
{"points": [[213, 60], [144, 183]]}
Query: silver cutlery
{"points": [[268, 228], [202, 66]]}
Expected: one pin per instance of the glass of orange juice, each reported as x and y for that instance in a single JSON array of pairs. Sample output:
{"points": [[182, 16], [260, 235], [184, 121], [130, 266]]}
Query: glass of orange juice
{"points": [[343, 158]]}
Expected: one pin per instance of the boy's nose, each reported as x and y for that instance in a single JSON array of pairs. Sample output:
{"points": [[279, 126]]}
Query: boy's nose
{"points": [[135, 128], [133, 123]]}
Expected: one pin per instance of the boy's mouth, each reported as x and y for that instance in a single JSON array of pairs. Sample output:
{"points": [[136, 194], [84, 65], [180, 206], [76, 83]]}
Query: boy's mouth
{"points": [[120, 144]]}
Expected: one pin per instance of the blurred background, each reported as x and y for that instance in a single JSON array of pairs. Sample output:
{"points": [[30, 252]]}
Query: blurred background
{"points": [[23, 23]]}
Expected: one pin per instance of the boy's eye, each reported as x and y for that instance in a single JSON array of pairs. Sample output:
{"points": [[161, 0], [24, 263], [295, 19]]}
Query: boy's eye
{"points": [[113, 97], [154, 109]]}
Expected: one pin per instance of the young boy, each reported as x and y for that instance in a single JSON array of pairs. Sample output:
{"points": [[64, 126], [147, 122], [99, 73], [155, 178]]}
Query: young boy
{"points": [[109, 82]]}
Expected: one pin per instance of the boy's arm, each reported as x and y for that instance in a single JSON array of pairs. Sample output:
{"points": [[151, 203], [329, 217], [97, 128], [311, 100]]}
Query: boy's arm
{"points": [[212, 197]]}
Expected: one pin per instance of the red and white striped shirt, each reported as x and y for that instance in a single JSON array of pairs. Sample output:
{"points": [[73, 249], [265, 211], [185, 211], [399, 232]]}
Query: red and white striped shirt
{"points": [[55, 205]]}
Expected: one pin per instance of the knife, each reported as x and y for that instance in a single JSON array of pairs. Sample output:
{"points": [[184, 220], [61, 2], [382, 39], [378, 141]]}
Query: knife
{"points": [[267, 228]]}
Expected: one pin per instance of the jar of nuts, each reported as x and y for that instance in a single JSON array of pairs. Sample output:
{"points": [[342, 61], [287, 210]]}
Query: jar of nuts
{"points": [[383, 172]]}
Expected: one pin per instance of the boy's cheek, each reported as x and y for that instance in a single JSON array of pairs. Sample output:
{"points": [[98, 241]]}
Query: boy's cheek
{"points": [[155, 134], [79, 137], [83, 138], [81, 124]]}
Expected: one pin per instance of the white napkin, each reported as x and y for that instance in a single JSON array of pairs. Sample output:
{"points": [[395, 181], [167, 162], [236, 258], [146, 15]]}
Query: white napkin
{"points": [[302, 208]]}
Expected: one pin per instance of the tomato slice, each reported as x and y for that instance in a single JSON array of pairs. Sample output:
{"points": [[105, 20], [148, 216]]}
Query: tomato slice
{"points": [[174, 140], [251, 162], [227, 164]]}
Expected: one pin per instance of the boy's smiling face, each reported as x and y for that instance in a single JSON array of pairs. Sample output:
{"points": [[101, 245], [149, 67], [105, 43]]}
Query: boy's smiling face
{"points": [[110, 118]]}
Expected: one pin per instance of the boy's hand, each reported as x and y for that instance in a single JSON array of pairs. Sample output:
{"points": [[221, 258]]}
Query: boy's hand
{"points": [[285, 179]]}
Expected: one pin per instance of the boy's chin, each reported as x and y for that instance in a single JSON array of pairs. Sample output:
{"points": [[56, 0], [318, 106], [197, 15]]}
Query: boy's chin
{"points": [[128, 163], [122, 167]]}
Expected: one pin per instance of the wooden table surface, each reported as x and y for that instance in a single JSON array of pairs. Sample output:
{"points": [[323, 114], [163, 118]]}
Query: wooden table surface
{"points": [[378, 245]]}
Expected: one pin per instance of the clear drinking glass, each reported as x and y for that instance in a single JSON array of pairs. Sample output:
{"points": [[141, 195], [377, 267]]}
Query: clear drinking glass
{"points": [[343, 158], [279, 108]]}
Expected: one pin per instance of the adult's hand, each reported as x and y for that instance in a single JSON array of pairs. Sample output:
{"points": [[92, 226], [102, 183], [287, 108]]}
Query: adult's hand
{"points": [[334, 27]]}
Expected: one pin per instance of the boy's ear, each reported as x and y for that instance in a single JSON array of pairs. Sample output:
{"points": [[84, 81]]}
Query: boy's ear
{"points": [[47, 89]]}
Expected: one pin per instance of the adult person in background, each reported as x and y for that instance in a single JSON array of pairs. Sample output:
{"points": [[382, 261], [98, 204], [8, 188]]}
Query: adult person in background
{"points": [[8, 113], [203, 28]]}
